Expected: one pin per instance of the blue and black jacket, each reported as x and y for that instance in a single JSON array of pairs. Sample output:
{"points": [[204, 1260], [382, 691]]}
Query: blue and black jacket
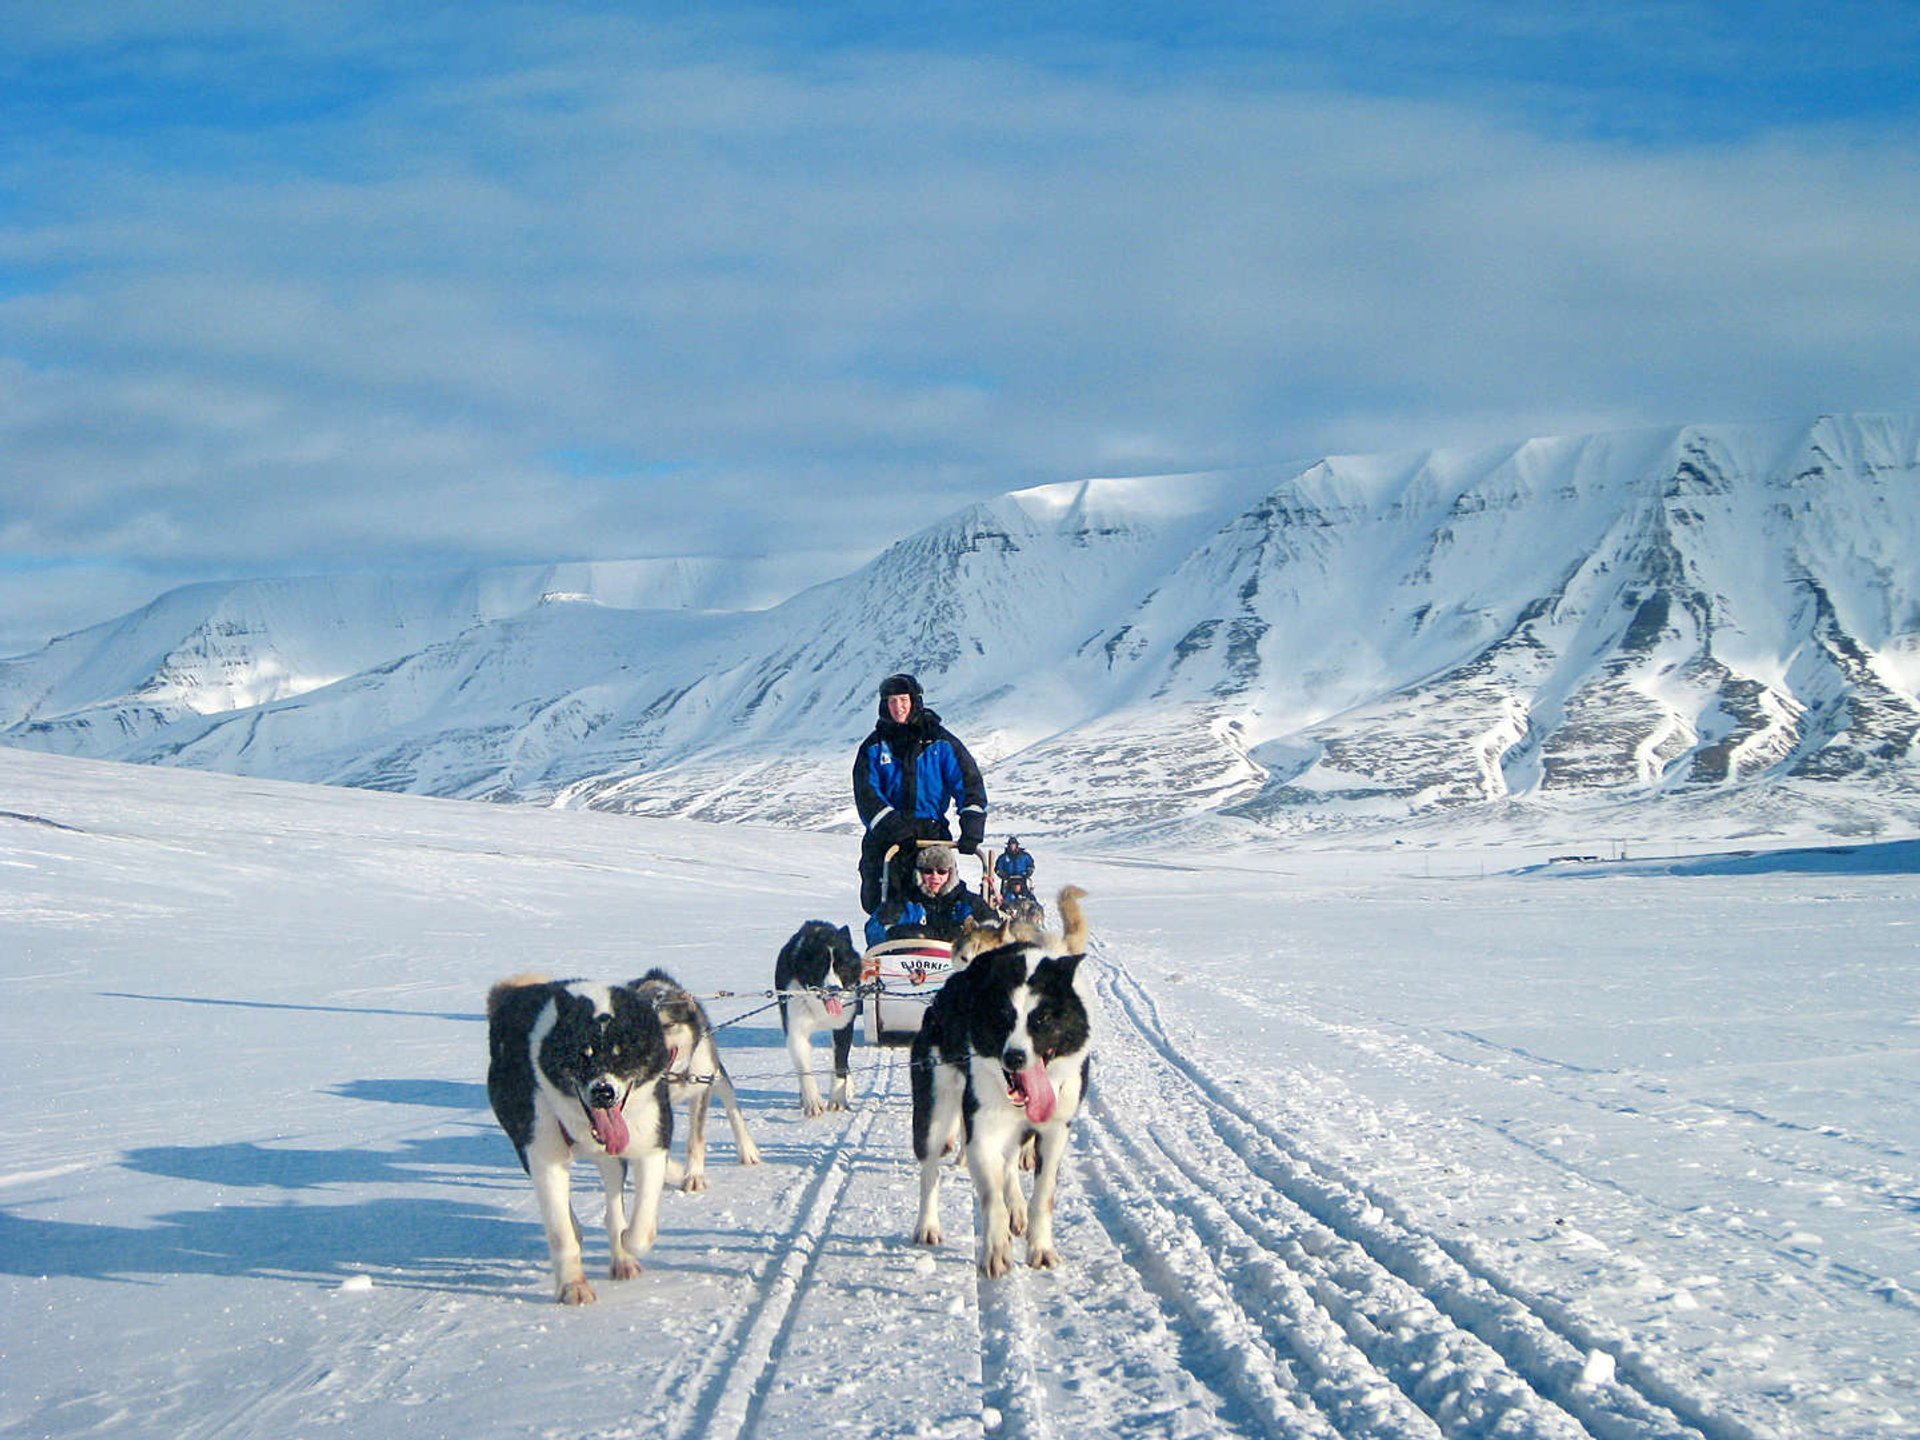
{"points": [[907, 775], [1014, 865], [939, 917]]}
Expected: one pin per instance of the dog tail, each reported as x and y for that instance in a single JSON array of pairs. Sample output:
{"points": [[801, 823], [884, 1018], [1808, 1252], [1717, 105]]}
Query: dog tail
{"points": [[497, 996], [1073, 919]]}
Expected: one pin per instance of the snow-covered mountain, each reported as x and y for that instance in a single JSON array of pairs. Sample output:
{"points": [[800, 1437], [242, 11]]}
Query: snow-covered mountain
{"points": [[1703, 616]]}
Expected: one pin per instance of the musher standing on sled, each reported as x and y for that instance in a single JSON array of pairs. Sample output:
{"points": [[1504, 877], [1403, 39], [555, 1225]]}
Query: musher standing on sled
{"points": [[906, 775]]}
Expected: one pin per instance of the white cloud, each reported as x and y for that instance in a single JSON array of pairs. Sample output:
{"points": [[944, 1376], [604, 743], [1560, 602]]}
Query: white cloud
{"points": [[805, 299]]}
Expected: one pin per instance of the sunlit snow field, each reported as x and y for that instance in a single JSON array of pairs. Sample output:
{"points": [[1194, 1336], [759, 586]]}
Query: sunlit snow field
{"points": [[1417, 1141]]}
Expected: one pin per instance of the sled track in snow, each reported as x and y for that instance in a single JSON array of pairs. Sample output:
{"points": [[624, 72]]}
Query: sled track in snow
{"points": [[723, 1392], [1331, 1313], [1010, 1389], [1219, 1279]]}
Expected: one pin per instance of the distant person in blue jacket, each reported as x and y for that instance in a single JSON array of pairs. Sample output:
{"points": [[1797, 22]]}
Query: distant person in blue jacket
{"points": [[937, 904], [907, 774], [1015, 869]]}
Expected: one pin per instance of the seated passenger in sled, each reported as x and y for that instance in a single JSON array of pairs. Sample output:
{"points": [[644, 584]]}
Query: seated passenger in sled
{"points": [[910, 940], [935, 904]]}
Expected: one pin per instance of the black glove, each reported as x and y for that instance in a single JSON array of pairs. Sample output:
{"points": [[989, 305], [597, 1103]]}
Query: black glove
{"points": [[973, 829], [969, 844]]}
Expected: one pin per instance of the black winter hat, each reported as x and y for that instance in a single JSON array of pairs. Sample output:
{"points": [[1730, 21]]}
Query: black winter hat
{"points": [[901, 684]]}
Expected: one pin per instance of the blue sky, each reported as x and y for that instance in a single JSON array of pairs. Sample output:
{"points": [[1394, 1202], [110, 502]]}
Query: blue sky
{"points": [[345, 286]]}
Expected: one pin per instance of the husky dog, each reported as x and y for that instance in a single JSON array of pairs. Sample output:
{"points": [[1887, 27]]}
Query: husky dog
{"points": [[819, 957], [1021, 928], [1025, 926], [1003, 1054], [694, 1076], [977, 939], [579, 1068]]}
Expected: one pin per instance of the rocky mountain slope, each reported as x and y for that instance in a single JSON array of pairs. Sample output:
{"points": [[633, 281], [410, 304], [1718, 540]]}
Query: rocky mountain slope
{"points": [[1721, 616]]}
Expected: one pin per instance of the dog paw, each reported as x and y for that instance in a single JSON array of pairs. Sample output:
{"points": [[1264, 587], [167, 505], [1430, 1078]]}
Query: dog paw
{"points": [[621, 1270], [750, 1155], [694, 1183], [838, 1104], [813, 1109], [928, 1235], [577, 1292], [1043, 1257], [997, 1261]]}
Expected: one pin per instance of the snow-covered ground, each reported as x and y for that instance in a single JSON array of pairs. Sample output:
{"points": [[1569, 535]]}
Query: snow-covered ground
{"points": [[1404, 1143]]}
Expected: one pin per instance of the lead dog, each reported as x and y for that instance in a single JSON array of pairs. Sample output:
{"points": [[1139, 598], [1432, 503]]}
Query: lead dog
{"points": [[694, 1075], [1003, 1054], [579, 1068], [976, 939], [820, 959]]}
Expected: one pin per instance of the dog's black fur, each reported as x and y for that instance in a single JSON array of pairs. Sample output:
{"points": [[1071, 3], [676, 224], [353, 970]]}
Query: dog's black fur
{"points": [[819, 956], [578, 1068], [1003, 1055]]}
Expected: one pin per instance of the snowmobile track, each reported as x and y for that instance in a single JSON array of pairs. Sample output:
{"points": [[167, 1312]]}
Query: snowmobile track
{"points": [[1312, 1250]]}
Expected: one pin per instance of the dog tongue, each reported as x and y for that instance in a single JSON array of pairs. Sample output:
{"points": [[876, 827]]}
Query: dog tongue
{"points": [[1034, 1083], [834, 1007], [610, 1129]]}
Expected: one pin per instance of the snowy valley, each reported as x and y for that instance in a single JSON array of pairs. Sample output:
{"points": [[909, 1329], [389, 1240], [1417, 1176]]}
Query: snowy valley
{"points": [[1405, 1142]]}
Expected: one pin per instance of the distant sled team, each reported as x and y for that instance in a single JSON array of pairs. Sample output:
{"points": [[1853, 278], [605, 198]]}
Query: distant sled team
{"points": [[1000, 1064]]}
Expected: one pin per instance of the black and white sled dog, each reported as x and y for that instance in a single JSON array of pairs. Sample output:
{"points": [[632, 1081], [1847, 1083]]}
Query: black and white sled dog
{"points": [[579, 1068], [1003, 1054], [819, 957], [695, 1076]]}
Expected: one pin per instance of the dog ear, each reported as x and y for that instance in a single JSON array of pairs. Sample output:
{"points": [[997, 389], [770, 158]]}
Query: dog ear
{"points": [[1008, 962], [1064, 965]]}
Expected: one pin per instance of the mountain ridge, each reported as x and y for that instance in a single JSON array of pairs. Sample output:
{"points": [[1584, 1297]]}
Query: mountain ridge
{"points": [[1707, 614]]}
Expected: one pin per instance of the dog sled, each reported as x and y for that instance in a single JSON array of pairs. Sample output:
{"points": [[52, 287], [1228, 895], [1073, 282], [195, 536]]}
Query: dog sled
{"points": [[901, 977]]}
